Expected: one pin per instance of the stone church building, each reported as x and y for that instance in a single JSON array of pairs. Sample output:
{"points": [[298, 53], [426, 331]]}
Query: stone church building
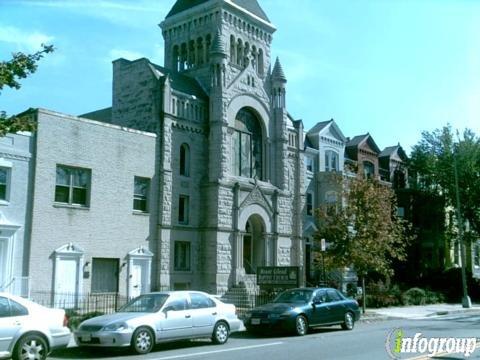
{"points": [[205, 145]]}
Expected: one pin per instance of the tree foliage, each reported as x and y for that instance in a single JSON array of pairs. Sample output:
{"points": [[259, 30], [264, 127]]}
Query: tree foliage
{"points": [[433, 162], [11, 72], [365, 232]]}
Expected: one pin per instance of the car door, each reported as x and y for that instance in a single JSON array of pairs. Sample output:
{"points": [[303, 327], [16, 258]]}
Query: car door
{"points": [[204, 314], [12, 316], [177, 321], [336, 304], [321, 309]]}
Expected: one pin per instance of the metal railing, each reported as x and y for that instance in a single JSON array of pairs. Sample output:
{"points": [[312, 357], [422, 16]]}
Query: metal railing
{"points": [[81, 303]]}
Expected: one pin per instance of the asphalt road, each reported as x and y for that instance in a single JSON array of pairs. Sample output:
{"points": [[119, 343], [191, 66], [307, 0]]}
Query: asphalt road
{"points": [[366, 341]]}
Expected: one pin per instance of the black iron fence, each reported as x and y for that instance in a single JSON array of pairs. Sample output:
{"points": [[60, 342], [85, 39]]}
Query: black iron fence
{"points": [[80, 303], [107, 303]]}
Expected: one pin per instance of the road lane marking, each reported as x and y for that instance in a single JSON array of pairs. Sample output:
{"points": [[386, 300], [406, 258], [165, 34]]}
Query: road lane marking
{"points": [[218, 351]]}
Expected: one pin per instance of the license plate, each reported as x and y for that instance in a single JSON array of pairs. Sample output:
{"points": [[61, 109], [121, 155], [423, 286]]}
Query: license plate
{"points": [[86, 338], [255, 321]]}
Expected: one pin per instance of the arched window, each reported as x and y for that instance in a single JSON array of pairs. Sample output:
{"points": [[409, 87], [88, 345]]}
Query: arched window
{"points": [[208, 43], [232, 49], [176, 58], [368, 170], [331, 160], [184, 160], [239, 52], [247, 145], [260, 64], [200, 51]]}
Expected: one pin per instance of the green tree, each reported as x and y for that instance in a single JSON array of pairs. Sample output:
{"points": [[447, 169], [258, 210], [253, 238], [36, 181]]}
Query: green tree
{"points": [[432, 166], [11, 72], [365, 233]]}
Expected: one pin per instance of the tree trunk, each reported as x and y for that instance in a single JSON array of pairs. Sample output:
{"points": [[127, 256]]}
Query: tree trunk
{"points": [[364, 296]]}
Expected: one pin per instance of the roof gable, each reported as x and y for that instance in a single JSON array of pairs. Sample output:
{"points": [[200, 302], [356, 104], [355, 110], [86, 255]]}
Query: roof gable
{"points": [[365, 142], [251, 6], [333, 131]]}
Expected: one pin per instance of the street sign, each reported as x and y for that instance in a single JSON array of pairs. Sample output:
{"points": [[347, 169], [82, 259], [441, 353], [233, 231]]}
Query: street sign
{"points": [[278, 276], [323, 245]]}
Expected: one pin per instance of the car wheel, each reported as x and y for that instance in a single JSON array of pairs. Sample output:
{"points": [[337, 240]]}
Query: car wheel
{"points": [[31, 347], [301, 325], [348, 322], [142, 340], [220, 333]]}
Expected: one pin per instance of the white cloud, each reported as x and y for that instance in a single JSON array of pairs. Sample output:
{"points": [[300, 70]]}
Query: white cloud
{"points": [[122, 53], [25, 41], [126, 13]]}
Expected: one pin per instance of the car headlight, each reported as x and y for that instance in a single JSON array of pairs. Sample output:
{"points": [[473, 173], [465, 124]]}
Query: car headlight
{"points": [[115, 327]]}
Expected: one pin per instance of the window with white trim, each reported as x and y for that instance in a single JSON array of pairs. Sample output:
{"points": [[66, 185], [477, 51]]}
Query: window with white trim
{"points": [[331, 160], [72, 185], [4, 183]]}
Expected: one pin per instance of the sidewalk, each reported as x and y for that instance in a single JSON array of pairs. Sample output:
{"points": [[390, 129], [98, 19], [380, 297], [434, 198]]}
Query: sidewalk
{"points": [[418, 312]]}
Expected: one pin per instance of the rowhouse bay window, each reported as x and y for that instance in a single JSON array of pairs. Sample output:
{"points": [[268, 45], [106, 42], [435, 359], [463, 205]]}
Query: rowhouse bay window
{"points": [[331, 160], [140, 193], [72, 185], [247, 146]]}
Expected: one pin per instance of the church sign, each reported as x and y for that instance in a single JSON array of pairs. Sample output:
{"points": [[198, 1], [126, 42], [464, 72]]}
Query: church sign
{"points": [[278, 276]]}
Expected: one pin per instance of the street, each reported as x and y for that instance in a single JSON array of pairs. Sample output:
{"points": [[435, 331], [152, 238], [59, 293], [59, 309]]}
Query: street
{"points": [[366, 341]]}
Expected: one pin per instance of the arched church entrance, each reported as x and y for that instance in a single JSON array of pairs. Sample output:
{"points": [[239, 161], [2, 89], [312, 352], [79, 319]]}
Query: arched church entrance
{"points": [[254, 250]]}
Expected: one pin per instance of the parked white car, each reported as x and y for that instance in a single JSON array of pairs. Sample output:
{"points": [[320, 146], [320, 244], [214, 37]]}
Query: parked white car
{"points": [[29, 330], [158, 317]]}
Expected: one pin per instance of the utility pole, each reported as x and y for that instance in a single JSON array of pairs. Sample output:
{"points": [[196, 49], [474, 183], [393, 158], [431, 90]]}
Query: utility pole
{"points": [[466, 302]]}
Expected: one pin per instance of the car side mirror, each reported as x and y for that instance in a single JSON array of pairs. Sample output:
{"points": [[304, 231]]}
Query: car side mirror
{"points": [[167, 309], [317, 302]]}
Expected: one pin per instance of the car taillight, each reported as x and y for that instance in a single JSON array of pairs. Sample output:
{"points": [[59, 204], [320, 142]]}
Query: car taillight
{"points": [[65, 320]]}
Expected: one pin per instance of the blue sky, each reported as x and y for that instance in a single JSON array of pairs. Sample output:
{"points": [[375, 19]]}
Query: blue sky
{"points": [[393, 68]]}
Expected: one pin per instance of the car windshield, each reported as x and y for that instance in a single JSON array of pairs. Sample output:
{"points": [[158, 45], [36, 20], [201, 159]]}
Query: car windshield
{"points": [[145, 303], [294, 296]]}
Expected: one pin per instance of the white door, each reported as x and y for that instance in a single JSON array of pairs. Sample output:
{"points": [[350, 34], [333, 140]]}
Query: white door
{"points": [[66, 282], [3, 264], [138, 277]]}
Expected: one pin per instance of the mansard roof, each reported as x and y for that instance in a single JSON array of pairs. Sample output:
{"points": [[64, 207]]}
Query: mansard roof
{"points": [[251, 6]]}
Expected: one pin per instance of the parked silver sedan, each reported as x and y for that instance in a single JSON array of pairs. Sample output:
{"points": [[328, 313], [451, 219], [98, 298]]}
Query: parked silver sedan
{"points": [[29, 330], [158, 317]]}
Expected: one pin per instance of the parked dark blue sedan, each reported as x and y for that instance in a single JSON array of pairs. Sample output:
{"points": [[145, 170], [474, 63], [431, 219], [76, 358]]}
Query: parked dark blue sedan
{"points": [[298, 310]]}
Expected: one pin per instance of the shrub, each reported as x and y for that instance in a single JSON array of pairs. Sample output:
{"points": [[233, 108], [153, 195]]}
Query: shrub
{"points": [[414, 296], [76, 319]]}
